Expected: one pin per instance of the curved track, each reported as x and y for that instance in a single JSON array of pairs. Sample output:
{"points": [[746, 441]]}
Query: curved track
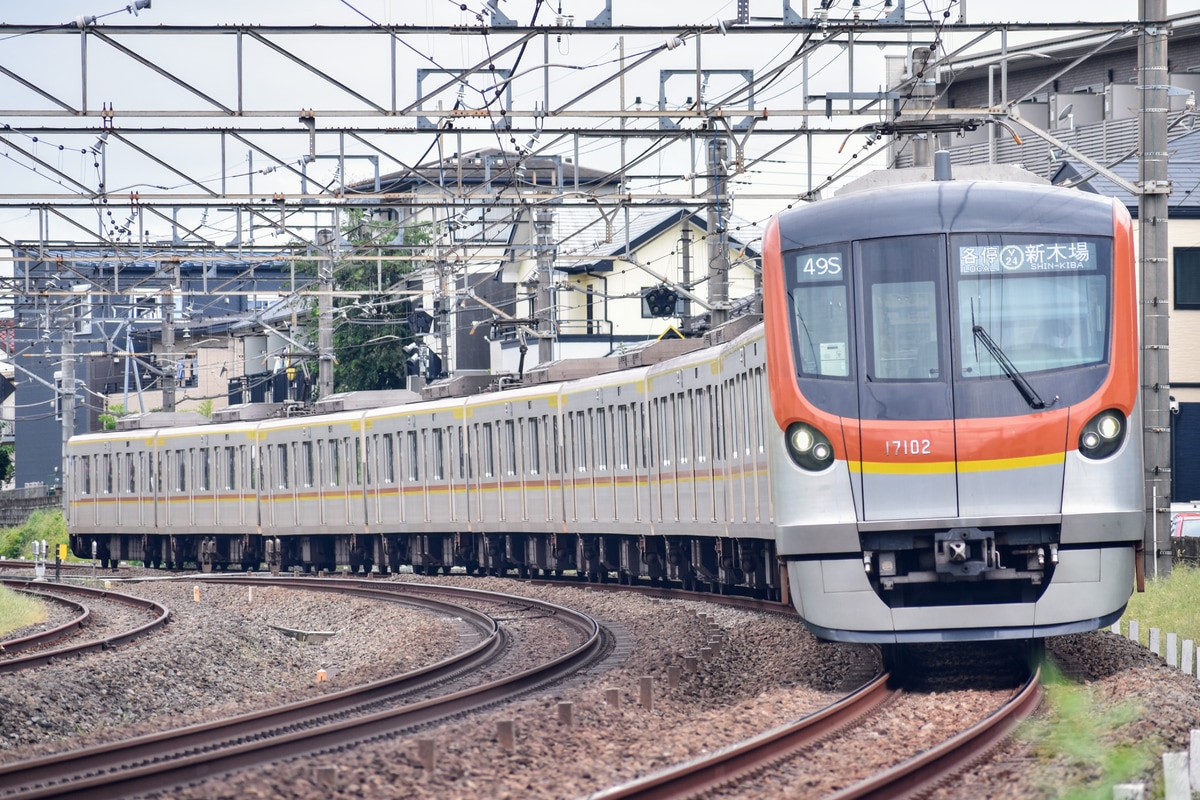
{"points": [[74, 626], [730, 765], [164, 760]]}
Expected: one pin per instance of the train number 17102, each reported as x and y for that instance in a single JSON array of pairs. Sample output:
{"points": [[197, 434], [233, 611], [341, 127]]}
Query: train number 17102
{"points": [[906, 447]]}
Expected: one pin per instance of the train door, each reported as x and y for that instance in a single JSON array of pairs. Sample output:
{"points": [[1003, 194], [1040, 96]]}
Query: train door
{"points": [[390, 504], [905, 400], [85, 509], [625, 485], [460, 501], [640, 429], [557, 501], [438, 484], [372, 487], [516, 433], [505, 479], [685, 437], [356, 501], [602, 475], [762, 484]]}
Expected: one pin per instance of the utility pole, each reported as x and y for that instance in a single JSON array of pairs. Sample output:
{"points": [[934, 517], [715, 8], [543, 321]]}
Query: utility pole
{"points": [[67, 395], [718, 212], [544, 227], [169, 357], [324, 314], [1154, 185], [443, 316], [685, 272]]}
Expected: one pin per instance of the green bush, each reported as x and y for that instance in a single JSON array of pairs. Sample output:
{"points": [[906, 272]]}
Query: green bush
{"points": [[1169, 603], [45, 524]]}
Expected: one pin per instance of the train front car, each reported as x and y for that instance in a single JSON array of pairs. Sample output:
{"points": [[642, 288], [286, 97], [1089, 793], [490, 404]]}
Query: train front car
{"points": [[953, 371]]}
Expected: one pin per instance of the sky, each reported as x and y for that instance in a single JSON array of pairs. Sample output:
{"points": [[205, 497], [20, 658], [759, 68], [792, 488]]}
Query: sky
{"points": [[624, 11], [114, 79]]}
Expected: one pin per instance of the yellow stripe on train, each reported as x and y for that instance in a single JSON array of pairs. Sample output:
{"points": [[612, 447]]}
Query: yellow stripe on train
{"points": [[943, 467]]}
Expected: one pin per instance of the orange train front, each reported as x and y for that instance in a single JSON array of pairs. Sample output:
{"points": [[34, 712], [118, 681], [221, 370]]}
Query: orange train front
{"points": [[953, 373]]}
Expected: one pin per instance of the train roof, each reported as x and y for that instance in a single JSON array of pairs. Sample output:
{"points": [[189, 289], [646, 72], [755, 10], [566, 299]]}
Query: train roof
{"points": [[946, 206]]}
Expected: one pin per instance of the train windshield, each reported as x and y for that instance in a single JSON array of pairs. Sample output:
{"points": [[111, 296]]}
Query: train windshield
{"points": [[1018, 305], [1038, 302], [820, 312]]}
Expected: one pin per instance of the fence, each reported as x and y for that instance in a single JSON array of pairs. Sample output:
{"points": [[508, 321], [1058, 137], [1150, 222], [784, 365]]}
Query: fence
{"points": [[1181, 770], [17, 504]]}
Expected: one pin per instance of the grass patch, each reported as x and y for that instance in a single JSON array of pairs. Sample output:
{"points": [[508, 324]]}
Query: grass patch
{"points": [[1080, 731], [44, 524], [18, 610], [1168, 604]]}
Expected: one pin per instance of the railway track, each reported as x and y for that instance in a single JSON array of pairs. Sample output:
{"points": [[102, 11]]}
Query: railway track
{"points": [[164, 760], [42, 641], [726, 767]]}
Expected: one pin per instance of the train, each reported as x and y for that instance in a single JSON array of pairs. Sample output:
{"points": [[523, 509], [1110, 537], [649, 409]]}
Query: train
{"points": [[929, 436]]}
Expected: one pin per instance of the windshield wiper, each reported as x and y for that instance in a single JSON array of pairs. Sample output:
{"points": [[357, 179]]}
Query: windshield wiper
{"points": [[1028, 392]]}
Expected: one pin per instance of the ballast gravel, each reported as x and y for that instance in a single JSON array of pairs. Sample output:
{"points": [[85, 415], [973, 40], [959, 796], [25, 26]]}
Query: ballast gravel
{"points": [[221, 656]]}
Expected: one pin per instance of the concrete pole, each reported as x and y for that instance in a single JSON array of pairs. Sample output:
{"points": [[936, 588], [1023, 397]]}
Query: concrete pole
{"points": [[444, 317], [544, 228], [1153, 253], [167, 364], [324, 314], [67, 398], [718, 217]]}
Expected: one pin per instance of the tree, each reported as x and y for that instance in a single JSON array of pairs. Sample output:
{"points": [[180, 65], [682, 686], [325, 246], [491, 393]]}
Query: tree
{"points": [[371, 329]]}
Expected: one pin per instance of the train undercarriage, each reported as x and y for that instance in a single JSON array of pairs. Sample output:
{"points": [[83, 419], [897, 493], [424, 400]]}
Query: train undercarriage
{"points": [[719, 565]]}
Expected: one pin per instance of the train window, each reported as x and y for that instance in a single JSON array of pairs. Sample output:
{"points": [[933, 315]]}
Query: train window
{"points": [[601, 440], [464, 453], [487, 453], [699, 427], [1047, 308], [439, 454], [283, 466], [230, 468], [253, 466], [578, 441], [680, 434], [902, 279], [85, 475], [639, 430], [510, 441], [358, 459], [759, 390], [205, 482], [335, 462], [108, 473], [306, 451], [535, 447], [817, 294], [744, 402], [180, 471], [554, 440], [472, 449], [130, 474], [389, 459], [414, 474], [623, 437], [664, 443]]}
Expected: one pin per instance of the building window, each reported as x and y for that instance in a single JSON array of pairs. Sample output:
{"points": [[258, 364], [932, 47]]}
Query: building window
{"points": [[1187, 277]]}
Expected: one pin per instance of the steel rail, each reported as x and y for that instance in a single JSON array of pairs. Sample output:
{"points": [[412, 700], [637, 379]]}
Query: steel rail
{"points": [[91, 646], [922, 772], [161, 761], [43, 638], [732, 763]]}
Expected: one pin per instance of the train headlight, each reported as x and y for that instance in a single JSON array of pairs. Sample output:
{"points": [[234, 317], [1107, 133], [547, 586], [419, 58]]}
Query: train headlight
{"points": [[809, 447], [1103, 434]]}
